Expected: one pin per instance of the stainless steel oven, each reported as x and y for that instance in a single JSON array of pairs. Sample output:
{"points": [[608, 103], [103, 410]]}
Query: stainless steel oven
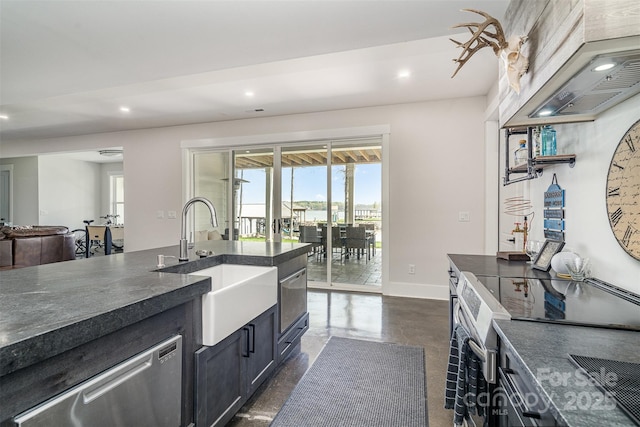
{"points": [[473, 312]]}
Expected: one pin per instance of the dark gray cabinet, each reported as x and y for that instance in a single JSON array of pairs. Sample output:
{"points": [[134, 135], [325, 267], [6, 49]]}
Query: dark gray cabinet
{"points": [[228, 373], [290, 339], [219, 382], [261, 358]]}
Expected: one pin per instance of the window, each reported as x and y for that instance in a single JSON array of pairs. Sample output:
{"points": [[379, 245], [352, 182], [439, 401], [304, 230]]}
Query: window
{"points": [[116, 198]]}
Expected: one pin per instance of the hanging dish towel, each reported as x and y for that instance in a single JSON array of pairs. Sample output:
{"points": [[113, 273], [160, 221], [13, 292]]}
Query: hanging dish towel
{"points": [[465, 381]]}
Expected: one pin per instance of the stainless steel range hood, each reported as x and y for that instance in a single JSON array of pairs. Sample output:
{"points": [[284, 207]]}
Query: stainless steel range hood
{"points": [[578, 92]]}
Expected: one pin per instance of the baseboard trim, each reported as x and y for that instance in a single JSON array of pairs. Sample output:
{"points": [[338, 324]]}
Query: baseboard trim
{"points": [[416, 290]]}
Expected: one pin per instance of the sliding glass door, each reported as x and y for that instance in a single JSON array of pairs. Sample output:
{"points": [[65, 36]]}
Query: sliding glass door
{"points": [[255, 202], [356, 195], [325, 193], [211, 171], [305, 203]]}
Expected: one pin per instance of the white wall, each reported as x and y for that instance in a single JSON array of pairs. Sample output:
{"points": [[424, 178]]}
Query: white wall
{"points": [[70, 191], [436, 171], [587, 225], [25, 189]]}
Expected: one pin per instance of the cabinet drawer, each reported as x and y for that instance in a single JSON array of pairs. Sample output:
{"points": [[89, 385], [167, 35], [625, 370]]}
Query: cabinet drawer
{"points": [[289, 340]]}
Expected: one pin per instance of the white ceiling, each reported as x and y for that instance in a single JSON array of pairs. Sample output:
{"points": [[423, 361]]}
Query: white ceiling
{"points": [[66, 67]]}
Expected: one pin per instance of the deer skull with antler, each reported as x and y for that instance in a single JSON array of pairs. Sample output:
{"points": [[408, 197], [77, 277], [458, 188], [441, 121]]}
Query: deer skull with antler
{"points": [[516, 64]]}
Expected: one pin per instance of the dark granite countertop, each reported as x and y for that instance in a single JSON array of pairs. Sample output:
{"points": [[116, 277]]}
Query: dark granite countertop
{"points": [[49, 309], [486, 265], [544, 350]]}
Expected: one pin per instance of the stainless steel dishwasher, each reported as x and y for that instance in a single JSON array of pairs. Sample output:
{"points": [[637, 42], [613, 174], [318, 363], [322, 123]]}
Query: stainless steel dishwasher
{"points": [[144, 390]]}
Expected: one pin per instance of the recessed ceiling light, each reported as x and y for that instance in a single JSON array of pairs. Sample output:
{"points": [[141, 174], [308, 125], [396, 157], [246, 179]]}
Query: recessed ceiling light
{"points": [[545, 113], [4, 117], [125, 109], [249, 94], [403, 74], [605, 67]]}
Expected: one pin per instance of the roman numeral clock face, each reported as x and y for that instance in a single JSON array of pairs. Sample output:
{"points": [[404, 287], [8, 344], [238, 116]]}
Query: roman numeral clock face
{"points": [[623, 192]]}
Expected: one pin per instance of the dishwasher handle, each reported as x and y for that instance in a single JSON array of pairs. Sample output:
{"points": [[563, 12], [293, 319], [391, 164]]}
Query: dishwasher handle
{"points": [[116, 379], [293, 277]]}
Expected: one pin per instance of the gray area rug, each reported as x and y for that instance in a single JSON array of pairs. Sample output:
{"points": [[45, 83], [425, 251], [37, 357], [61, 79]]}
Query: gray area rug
{"points": [[359, 383]]}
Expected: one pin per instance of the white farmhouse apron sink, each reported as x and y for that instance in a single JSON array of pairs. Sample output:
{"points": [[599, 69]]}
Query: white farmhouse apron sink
{"points": [[239, 293]]}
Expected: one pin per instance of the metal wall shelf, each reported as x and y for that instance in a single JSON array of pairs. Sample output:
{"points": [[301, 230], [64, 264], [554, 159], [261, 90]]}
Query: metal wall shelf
{"points": [[535, 165]]}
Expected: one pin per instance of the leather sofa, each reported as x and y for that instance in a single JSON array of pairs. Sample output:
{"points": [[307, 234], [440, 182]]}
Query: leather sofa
{"points": [[35, 245]]}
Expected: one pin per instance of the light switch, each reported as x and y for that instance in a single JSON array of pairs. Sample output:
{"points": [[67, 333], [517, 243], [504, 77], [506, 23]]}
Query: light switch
{"points": [[171, 214], [160, 214], [463, 216]]}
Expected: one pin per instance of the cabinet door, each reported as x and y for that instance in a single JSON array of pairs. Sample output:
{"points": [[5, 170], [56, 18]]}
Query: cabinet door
{"points": [[261, 360], [220, 381]]}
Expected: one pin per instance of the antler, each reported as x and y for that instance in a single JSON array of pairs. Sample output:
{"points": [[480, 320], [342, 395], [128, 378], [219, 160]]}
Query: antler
{"points": [[480, 37]]}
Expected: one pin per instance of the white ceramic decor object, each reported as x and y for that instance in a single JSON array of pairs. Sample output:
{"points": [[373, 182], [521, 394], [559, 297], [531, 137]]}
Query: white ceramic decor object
{"points": [[559, 259]]}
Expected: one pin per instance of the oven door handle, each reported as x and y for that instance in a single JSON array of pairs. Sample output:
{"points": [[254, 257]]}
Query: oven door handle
{"points": [[487, 356], [477, 350], [456, 314]]}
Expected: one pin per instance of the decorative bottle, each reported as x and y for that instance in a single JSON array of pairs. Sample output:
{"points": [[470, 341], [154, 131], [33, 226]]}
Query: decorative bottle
{"points": [[521, 154], [548, 136], [537, 142]]}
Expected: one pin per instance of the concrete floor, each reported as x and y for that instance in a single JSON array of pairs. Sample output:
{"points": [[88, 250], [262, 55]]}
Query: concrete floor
{"points": [[409, 321]]}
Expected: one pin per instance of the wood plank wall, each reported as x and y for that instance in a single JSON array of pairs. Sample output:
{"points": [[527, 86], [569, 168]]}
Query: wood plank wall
{"points": [[556, 30], [607, 19]]}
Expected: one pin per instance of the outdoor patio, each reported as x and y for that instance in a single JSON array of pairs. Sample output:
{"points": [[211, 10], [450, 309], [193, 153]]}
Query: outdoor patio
{"points": [[352, 271]]}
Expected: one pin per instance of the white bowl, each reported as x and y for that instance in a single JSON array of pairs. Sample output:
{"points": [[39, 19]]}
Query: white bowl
{"points": [[559, 259]]}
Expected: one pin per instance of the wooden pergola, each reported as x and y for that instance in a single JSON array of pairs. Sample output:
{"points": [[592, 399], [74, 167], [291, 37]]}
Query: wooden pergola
{"points": [[317, 156], [311, 157]]}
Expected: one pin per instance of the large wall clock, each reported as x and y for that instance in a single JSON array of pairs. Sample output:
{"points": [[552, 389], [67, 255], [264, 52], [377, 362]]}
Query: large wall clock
{"points": [[623, 192]]}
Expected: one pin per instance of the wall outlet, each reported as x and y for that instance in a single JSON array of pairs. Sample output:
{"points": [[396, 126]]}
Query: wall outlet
{"points": [[160, 214], [171, 214], [412, 269], [463, 216]]}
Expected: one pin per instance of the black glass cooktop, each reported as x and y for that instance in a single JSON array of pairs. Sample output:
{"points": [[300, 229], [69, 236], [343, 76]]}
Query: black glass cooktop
{"points": [[563, 301]]}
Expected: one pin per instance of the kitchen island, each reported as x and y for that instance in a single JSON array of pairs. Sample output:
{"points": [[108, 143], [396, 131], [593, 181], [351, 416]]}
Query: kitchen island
{"points": [[65, 322], [535, 346]]}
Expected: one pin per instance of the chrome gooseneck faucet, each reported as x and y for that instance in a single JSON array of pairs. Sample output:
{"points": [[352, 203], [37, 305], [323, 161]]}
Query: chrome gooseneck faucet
{"points": [[183, 233]]}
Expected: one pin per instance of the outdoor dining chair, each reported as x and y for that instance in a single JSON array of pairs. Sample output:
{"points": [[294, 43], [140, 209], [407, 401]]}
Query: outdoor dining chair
{"points": [[357, 239]]}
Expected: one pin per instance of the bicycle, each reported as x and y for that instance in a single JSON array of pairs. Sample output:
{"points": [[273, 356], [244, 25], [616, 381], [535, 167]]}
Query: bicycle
{"points": [[80, 237], [94, 243], [107, 219]]}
